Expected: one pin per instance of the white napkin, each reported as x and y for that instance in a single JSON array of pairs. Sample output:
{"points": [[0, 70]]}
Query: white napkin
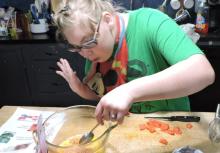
{"points": [[189, 29]]}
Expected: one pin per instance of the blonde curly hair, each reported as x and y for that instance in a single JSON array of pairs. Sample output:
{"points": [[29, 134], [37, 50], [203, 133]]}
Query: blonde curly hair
{"points": [[83, 13]]}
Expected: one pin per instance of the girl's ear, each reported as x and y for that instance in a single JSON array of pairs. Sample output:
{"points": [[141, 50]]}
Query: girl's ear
{"points": [[108, 18]]}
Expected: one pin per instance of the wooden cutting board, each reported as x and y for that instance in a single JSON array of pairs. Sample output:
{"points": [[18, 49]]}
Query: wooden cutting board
{"points": [[127, 138]]}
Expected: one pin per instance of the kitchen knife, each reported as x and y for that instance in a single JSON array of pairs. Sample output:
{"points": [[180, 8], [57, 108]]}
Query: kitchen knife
{"points": [[178, 118]]}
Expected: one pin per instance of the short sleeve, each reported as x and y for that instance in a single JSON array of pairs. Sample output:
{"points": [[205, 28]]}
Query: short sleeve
{"points": [[170, 40]]}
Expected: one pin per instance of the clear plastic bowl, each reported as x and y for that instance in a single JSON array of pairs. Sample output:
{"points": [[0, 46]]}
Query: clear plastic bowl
{"points": [[64, 129]]}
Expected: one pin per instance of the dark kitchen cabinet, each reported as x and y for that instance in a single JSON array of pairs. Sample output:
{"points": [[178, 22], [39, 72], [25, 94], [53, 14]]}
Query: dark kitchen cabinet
{"points": [[28, 75], [14, 88], [207, 99], [47, 88]]}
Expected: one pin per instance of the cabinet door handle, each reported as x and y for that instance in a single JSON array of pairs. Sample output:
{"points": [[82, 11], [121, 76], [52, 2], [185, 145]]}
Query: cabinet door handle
{"points": [[52, 68], [55, 84], [50, 54]]}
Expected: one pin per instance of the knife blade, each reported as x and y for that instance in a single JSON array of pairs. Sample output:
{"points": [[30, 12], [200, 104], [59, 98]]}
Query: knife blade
{"points": [[178, 118]]}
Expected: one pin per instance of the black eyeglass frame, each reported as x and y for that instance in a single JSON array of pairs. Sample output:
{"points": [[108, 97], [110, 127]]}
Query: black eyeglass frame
{"points": [[86, 45]]}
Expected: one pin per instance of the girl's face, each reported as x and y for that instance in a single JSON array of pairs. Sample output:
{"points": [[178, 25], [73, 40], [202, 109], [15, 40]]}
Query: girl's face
{"points": [[96, 50]]}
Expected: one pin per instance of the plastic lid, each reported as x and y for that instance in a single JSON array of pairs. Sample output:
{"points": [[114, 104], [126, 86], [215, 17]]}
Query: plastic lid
{"points": [[188, 4], [175, 4]]}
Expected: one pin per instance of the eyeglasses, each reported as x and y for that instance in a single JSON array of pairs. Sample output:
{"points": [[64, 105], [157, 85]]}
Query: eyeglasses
{"points": [[88, 44]]}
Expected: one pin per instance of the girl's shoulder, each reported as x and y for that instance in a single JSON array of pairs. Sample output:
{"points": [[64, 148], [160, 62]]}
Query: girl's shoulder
{"points": [[148, 17], [147, 12]]}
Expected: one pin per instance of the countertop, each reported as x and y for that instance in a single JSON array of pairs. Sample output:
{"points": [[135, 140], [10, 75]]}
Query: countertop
{"points": [[21, 38], [127, 138], [209, 40]]}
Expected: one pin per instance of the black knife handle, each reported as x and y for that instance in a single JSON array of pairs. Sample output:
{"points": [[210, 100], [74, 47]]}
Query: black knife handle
{"points": [[185, 118]]}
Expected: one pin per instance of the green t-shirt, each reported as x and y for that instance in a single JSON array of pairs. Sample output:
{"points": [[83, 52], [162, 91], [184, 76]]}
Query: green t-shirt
{"points": [[155, 42]]}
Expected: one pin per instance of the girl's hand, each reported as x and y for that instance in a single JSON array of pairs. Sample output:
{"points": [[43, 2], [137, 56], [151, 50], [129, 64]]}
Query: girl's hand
{"points": [[114, 105], [68, 74]]}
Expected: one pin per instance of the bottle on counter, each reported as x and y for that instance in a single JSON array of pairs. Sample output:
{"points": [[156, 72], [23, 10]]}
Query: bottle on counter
{"points": [[202, 18]]}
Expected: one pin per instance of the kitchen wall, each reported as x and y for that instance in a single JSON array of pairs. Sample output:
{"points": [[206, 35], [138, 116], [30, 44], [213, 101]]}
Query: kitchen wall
{"points": [[18, 4], [135, 4]]}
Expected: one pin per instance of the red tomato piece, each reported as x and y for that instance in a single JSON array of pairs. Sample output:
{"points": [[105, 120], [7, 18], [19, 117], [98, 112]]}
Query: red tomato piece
{"points": [[189, 125], [142, 127], [163, 141]]}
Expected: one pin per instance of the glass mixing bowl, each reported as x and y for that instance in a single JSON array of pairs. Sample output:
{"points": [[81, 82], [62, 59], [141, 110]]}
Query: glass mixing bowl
{"points": [[64, 128]]}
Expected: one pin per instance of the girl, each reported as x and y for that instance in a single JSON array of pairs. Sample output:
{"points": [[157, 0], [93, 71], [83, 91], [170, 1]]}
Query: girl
{"points": [[139, 61]]}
